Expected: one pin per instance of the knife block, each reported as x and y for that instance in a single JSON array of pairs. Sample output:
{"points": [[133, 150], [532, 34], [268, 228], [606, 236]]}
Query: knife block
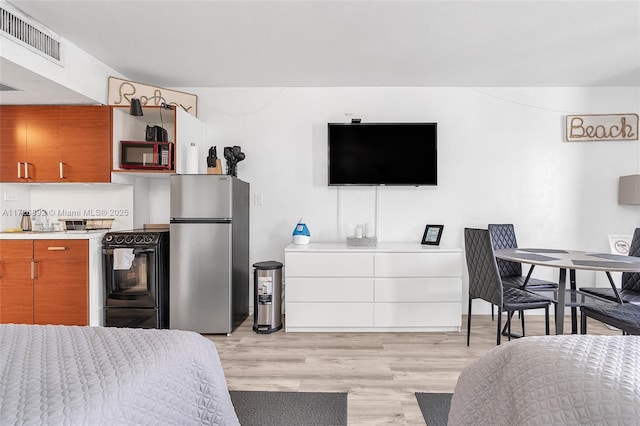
{"points": [[217, 170]]}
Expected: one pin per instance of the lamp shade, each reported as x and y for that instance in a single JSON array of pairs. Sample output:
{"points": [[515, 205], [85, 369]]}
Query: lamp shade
{"points": [[629, 190], [136, 107]]}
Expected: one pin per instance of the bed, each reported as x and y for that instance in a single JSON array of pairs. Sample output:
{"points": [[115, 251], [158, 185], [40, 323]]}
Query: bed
{"points": [[97, 375], [552, 380]]}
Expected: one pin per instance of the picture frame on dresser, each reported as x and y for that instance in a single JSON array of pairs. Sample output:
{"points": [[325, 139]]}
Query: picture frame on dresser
{"points": [[432, 235]]}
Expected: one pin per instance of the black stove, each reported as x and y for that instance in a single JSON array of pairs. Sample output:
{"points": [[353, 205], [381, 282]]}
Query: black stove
{"points": [[136, 272]]}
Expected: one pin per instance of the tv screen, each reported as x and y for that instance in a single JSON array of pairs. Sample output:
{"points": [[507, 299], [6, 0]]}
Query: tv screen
{"points": [[383, 154]]}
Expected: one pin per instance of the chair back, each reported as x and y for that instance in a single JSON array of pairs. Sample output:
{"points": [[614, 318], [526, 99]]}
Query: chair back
{"points": [[503, 236], [484, 277], [631, 280]]}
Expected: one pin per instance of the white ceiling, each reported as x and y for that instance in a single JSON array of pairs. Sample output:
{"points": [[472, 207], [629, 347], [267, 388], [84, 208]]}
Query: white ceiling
{"points": [[354, 43]]}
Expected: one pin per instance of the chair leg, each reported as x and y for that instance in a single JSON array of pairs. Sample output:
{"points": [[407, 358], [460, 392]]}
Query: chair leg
{"points": [[499, 325], [546, 320], [583, 323], [574, 320], [492, 318], [469, 321], [509, 315], [522, 322]]}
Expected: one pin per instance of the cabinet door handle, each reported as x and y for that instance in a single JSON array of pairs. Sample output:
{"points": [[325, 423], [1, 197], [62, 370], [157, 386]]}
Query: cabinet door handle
{"points": [[26, 170], [62, 170], [33, 270], [19, 171], [56, 248]]}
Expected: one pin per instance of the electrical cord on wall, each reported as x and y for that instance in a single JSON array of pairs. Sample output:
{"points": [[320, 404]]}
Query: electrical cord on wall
{"points": [[338, 218], [375, 212]]}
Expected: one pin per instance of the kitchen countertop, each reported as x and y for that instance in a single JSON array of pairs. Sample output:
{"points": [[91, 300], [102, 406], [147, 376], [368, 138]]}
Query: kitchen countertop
{"points": [[54, 235]]}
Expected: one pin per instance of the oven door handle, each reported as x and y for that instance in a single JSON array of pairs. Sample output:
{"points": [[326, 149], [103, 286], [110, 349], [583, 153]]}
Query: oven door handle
{"points": [[109, 252]]}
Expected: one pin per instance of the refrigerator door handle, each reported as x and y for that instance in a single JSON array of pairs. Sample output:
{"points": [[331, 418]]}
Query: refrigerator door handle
{"points": [[199, 220]]}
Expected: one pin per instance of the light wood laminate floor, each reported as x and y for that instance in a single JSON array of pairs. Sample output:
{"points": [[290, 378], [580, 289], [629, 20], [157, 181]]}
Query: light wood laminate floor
{"points": [[380, 371]]}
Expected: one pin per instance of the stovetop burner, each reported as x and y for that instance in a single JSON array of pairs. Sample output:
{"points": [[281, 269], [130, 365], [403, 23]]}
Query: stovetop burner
{"points": [[134, 237]]}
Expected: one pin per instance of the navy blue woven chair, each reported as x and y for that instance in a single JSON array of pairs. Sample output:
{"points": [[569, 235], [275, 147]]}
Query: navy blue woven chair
{"points": [[485, 283]]}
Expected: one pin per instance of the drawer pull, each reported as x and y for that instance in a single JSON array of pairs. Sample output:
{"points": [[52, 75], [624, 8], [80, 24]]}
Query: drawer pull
{"points": [[57, 248]]}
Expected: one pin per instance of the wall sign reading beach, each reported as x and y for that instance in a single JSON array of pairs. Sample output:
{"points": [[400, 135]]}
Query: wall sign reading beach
{"points": [[601, 127], [120, 93]]}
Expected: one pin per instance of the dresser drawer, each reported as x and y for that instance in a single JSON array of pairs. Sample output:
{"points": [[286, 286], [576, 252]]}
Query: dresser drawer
{"points": [[329, 290], [435, 315], [418, 265], [329, 315], [418, 289], [329, 265]]}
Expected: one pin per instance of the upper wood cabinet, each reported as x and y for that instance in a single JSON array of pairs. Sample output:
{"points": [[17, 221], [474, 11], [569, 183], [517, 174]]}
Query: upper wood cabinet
{"points": [[55, 144], [85, 143], [13, 143]]}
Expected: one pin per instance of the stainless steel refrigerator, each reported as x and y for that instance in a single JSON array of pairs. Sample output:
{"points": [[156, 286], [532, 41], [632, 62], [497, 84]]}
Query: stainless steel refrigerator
{"points": [[209, 279]]}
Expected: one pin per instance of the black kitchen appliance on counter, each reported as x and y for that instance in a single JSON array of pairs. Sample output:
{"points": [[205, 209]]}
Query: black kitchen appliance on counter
{"points": [[136, 272]]}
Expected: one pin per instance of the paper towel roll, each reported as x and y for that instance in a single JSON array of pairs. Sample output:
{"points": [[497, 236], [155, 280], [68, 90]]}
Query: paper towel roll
{"points": [[192, 159]]}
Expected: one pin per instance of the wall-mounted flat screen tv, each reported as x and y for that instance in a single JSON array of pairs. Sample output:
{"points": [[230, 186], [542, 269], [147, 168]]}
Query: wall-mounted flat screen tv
{"points": [[383, 154]]}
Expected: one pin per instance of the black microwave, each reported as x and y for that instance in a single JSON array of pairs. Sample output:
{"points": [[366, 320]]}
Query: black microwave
{"points": [[146, 155]]}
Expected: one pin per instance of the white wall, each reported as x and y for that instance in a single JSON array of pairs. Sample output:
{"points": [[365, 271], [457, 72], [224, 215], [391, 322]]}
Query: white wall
{"points": [[14, 199], [68, 201], [501, 159]]}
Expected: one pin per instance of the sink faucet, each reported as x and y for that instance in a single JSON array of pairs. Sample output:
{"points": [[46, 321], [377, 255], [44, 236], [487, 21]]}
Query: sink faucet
{"points": [[43, 226]]}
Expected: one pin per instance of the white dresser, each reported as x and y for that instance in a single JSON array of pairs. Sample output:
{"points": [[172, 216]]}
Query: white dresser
{"points": [[391, 287]]}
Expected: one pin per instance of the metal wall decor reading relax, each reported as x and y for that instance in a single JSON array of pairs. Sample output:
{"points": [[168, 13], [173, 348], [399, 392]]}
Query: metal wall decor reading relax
{"points": [[120, 93]]}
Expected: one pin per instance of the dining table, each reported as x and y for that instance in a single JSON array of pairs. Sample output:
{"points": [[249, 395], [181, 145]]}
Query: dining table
{"points": [[571, 260]]}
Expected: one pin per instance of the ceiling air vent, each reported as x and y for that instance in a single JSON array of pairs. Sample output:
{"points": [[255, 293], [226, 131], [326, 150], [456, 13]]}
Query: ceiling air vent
{"points": [[29, 35]]}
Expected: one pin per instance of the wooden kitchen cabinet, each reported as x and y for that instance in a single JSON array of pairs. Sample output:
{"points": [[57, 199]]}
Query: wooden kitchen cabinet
{"points": [[55, 143], [85, 144], [13, 143], [44, 282], [61, 282], [16, 285], [43, 144]]}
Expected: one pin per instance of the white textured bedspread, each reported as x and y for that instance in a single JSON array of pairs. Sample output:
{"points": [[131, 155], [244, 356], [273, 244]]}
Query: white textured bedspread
{"points": [[96, 375], [552, 380]]}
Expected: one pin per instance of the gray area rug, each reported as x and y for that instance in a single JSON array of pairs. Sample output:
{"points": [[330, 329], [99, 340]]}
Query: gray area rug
{"points": [[290, 408], [435, 407]]}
